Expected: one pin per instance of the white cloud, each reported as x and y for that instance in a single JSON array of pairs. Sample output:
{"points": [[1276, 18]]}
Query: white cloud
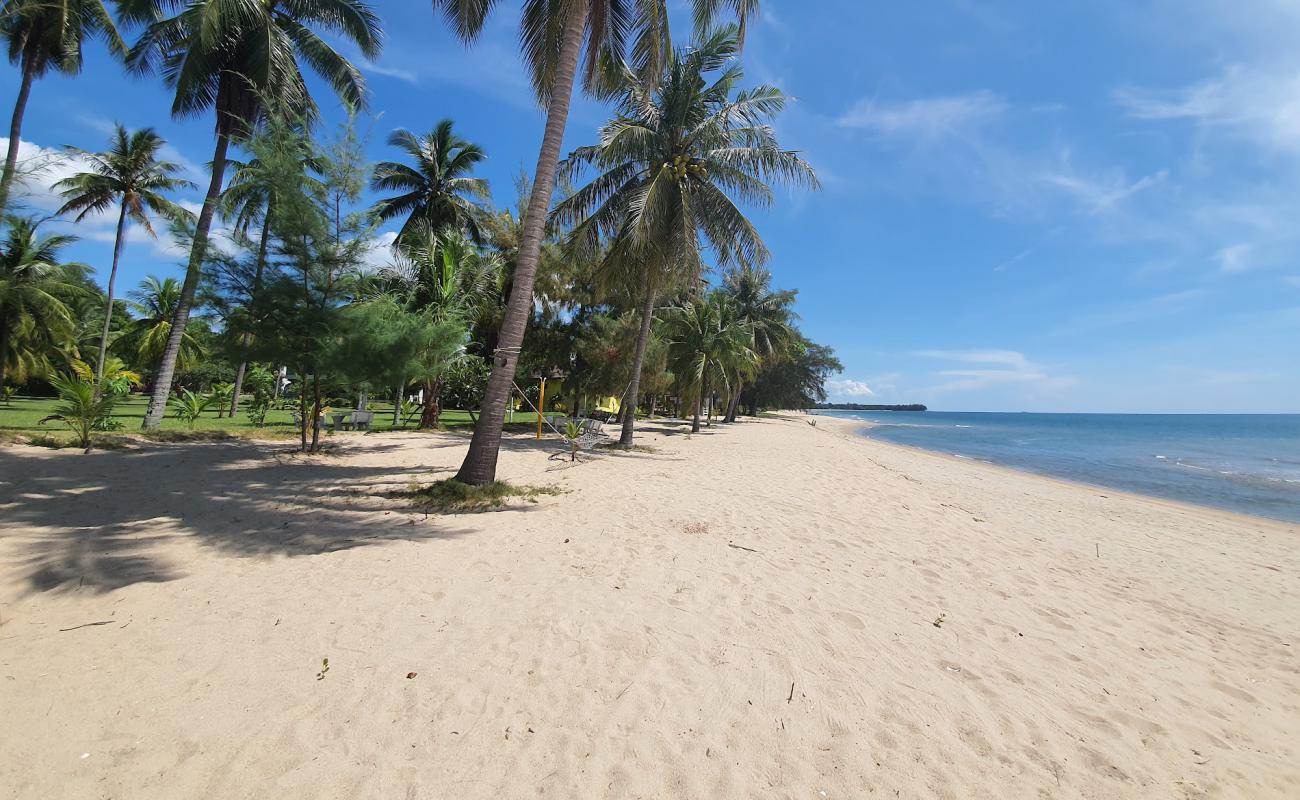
{"points": [[392, 72], [839, 388], [1234, 258], [1262, 105], [380, 252], [927, 118]]}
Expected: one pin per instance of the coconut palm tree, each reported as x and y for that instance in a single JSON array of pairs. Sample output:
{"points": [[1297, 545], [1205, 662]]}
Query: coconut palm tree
{"points": [[145, 339], [41, 35], [445, 276], [131, 175], [235, 57], [439, 191], [769, 314], [708, 348], [552, 36], [670, 169], [35, 322]]}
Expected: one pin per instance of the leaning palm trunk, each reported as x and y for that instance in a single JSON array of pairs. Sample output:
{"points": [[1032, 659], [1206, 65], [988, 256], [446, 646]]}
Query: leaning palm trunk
{"points": [[734, 406], [480, 465], [15, 133], [162, 384], [108, 304], [257, 285], [638, 360]]}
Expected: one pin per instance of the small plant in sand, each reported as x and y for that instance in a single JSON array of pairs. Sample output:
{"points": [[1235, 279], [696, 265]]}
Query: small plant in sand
{"points": [[80, 407], [324, 668], [188, 406], [572, 433], [939, 620]]}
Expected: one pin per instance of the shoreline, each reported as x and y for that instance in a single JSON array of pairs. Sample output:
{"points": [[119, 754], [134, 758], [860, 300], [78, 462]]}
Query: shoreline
{"points": [[761, 609], [864, 425]]}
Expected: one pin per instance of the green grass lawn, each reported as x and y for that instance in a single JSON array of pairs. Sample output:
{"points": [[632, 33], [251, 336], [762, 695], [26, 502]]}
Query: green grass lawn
{"points": [[25, 414]]}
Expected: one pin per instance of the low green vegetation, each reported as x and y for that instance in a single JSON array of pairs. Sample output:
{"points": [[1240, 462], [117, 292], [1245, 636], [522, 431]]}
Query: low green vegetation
{"points": [[451, 496], [24, 414]]}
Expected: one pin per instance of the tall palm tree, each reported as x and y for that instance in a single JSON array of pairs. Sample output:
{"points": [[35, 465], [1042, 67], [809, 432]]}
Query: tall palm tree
{"points": [[439, 191], [552, 35], [671, 167], [145, 339], [130, 174], [41, 35], [249, 201], [769, 314], [708, 348], [35, 322], [235, 57]]}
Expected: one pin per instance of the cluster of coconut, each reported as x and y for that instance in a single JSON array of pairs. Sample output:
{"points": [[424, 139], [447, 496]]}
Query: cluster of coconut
{"points": [[681, 166]]}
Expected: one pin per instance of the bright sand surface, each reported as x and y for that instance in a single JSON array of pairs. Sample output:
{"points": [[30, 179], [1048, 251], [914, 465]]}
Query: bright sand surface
{"points": [[768, 609]]}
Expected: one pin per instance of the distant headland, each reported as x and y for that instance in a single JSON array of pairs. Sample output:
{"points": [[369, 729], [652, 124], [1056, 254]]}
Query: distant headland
{"points": [[862, 407]]}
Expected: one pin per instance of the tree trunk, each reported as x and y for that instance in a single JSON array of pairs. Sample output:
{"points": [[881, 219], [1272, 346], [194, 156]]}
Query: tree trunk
{"points": [[302, 412], [480, 465], [239, 378], [163, 378], [695, 423], [734, 405], [397, 406], [257, 287], [4, 348], [315, 412], [638, 360], [429, 415], [108, 306], [15, 133]]}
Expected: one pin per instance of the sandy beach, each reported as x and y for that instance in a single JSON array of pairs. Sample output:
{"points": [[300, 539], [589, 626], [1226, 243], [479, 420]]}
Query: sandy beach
{"points": [[768, 609]]}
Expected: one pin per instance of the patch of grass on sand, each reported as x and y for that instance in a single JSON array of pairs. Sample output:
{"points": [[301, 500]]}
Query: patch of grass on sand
{"points": [[451, 496]]}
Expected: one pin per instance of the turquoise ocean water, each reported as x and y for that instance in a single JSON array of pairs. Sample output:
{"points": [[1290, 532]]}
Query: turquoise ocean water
{"points": [[1248, 463]]}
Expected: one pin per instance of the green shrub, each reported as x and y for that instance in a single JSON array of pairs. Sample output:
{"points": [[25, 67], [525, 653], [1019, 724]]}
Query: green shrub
{"points": [[188, 406]]}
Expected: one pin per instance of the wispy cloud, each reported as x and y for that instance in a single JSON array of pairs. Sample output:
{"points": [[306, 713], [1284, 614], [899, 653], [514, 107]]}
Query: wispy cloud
{"points": [[925, 118], [1234, 258], [1258, 104], [991, 368]]}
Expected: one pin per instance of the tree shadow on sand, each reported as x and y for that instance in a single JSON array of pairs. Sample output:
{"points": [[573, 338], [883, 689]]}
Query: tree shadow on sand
{"points": [[101, 522]]}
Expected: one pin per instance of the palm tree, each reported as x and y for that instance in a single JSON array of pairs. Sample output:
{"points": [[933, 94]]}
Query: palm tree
{"points": [[42, 35], [249, 201], [445, 276], [130, 174], [768, 313], [668, 166], [438, 192], [235, 57], [708, 348], [552, 35], [35, 322], [145, 339]]}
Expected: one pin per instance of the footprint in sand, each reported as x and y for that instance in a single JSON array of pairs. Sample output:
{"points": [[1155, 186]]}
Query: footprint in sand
{"points": [[849, 619]]}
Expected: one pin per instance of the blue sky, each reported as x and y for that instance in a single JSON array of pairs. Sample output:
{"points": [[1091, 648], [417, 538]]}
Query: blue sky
{"points": [[1026, 206]]}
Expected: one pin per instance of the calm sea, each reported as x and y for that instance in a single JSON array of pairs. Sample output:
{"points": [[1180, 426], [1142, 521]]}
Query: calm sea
{"points": [[1242, 462]]}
